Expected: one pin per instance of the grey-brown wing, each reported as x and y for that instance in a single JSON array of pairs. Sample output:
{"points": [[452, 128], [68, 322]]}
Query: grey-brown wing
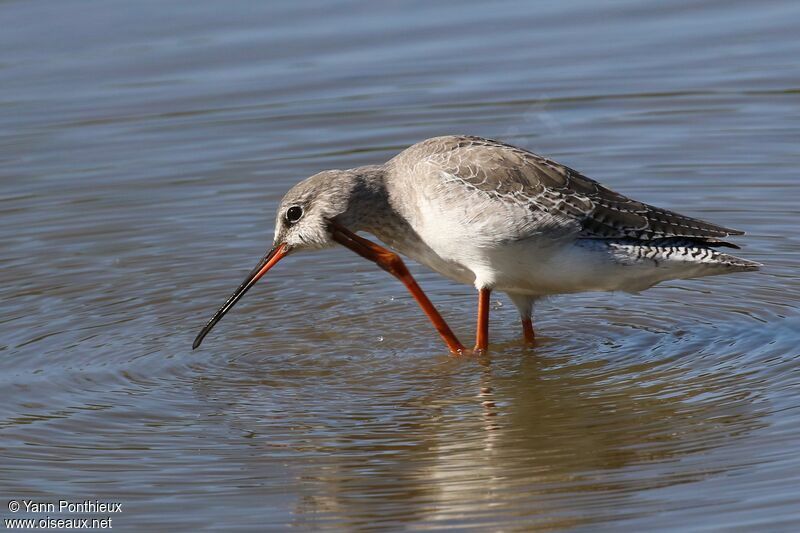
{"points": [[511, 174]]}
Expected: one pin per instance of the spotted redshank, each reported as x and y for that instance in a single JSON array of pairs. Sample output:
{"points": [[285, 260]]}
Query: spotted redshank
{"points": [[500, 218]]}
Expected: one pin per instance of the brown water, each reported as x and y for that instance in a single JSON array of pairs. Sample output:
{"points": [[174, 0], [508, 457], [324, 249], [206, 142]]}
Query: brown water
{"points": [[144, 147]]}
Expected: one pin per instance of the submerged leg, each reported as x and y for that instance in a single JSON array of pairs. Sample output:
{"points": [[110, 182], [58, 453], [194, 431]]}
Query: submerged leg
{"points": [[482, 333], [391, 262], [527, 330], [524, 304]]}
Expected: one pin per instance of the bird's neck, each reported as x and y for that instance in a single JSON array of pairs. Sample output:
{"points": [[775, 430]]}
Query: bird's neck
{"points": [[370, 207]]}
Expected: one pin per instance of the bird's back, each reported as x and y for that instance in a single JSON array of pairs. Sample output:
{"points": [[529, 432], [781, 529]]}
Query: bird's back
{"points": [[511, 175], [496, 195]]}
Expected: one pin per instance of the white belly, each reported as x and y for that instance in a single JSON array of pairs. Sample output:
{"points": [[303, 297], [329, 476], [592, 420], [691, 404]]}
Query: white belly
{"points": [[545, 268], [537, 267]]}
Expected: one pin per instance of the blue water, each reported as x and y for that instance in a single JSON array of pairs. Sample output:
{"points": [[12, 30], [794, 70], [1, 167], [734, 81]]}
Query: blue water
{"points": [[144, 147]]}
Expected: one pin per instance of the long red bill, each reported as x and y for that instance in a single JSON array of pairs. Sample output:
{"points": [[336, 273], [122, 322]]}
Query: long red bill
{"points": [[268, 261]]}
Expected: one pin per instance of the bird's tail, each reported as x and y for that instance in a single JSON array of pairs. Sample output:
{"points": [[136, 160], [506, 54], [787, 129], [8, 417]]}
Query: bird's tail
{"points": [[688, 258]]}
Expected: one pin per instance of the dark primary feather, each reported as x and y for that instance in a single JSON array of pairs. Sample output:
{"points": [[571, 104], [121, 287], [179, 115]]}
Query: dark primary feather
{"points": [[507, 172]]}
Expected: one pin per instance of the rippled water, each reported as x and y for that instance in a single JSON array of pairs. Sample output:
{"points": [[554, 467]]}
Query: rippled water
{"points": [[144, 147]]}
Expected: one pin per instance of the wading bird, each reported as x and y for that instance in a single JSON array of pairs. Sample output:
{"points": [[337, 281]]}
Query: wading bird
{"points": [[500, 218]]}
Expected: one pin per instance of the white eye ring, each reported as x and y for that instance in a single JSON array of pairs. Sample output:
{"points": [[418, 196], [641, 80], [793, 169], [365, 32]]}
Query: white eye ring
{"points": [[293, 214]]}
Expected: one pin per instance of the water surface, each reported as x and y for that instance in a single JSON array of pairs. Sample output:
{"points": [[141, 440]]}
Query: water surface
{"points": [[144, 147]]}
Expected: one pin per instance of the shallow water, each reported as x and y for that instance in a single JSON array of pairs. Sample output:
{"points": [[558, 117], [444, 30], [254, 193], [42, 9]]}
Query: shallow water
{"points": [[144, 147]]}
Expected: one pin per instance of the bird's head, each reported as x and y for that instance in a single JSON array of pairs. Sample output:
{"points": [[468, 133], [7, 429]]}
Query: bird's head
{"points": [[306, 211], [307, 219]]}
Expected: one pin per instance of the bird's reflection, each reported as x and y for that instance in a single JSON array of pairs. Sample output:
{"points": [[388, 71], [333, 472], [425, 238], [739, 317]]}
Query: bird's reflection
{"points": [[457, 442]]}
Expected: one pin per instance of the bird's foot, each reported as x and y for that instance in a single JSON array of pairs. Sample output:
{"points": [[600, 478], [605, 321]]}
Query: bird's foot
{"points": [[468, 352], [477, 351]]}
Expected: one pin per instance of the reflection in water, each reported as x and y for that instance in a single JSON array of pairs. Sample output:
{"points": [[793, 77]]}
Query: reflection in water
{"points": [[528, 436]]}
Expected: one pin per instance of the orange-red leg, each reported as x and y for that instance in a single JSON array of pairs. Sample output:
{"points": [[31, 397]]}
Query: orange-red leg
{"points": [[482, 333], [391, 262], [527, 330]]}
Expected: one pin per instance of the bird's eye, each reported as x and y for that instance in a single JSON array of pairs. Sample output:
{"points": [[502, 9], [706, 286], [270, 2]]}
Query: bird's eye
{"points": [[293, 214]]}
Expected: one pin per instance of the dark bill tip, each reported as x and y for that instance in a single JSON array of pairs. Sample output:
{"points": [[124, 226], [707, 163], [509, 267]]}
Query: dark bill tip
{"points": [[267, 262]]}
